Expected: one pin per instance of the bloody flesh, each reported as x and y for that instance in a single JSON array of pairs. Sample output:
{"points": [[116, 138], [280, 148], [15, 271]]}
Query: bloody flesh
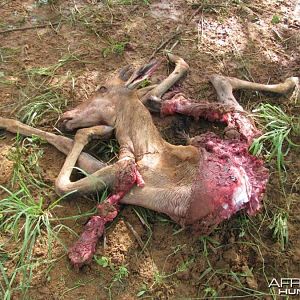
{"points": [[229, 177], [83, 250]]}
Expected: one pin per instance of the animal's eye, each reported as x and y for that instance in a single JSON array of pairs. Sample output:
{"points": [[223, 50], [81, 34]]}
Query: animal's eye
{"points": [[102, 89]]}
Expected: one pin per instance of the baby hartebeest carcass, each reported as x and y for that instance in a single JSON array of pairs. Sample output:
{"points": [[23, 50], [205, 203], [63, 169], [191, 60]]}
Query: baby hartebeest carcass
{"points": [[200, 184]]}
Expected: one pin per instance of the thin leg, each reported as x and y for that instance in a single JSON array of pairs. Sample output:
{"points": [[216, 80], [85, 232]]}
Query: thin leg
{"points": [[280, 88], [241, 125], [153, 98], [122, 176], [85, 162], [224, 91], [96, 181], [225, 85], [84, 249]]}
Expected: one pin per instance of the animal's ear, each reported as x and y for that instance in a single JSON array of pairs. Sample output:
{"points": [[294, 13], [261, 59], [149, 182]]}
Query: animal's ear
{"points": [[126, 72], [142, 73]]}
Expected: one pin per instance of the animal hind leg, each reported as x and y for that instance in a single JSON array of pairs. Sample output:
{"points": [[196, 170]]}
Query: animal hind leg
{"points": [[152, 99], [239, 124], [225, 86], [227, 109]]}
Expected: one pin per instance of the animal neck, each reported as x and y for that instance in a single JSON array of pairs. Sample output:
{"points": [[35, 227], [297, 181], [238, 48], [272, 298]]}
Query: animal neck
{"points": [[135, 129]]}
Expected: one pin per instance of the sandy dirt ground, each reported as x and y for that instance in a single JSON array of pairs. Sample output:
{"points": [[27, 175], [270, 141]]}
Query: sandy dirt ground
{"points": [[252, 40]]}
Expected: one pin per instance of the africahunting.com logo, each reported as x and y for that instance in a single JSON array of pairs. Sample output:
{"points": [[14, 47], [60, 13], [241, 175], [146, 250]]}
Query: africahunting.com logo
{"points": [[286, 286]]}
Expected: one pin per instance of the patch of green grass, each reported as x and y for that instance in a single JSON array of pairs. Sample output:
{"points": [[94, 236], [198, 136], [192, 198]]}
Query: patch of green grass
{"points": [[45, 107], [146, 217], [7, 54], [114, 47], [144, 83], [275, 19], [51, 69], [142, 290], [103, 261], [26, 218], [279, 227], [210, 293], [105, 150], [26, 154], [119, 272], [92, 18], [279, 129], [5, 81], [43, 101]]}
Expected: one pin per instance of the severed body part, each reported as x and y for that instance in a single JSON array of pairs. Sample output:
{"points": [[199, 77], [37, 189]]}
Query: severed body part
{"points": [[197, 185]]}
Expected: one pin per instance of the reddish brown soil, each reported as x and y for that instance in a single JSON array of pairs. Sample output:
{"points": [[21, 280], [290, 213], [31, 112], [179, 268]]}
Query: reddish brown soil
{"points": [[220, 37]]}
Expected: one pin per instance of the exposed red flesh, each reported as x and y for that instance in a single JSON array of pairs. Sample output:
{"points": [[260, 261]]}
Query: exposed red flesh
{"points": [[229, 178], [84, 249], [213, 112]]}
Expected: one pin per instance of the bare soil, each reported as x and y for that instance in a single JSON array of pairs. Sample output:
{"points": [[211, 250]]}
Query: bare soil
{"points": [[234, 38]]}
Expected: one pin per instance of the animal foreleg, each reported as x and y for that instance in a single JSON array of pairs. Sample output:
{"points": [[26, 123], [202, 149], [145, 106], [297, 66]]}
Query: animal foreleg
{"points": [[85, 161], [94, 182], [122, 175], [84, 249]]}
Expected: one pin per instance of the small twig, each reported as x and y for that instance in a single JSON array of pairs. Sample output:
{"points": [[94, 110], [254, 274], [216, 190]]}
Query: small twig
{"points": [[164, 43], [200, 36], [30, 27], [138, 238], [207, 5], [278, 35], [195, 13], [173, 46]]}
